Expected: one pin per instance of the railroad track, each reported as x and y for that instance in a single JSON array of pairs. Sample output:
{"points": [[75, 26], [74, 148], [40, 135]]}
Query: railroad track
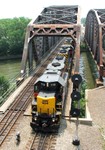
{"points": [[21, 102], [42, 141]]}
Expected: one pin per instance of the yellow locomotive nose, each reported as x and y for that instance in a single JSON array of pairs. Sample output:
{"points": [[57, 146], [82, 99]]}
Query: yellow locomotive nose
{"points": [[46, 105]]}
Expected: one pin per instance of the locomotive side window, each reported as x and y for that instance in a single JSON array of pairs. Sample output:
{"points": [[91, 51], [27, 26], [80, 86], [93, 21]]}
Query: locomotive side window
{"points": [[35, 88]]}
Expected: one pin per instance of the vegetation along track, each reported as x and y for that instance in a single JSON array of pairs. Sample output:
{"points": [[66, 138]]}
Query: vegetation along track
{"points": [[21, 102]]}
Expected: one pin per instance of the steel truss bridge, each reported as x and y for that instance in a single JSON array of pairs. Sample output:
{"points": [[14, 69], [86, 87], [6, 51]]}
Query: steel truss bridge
{"points": [[95, 37], [57, 22], [43, 33]]}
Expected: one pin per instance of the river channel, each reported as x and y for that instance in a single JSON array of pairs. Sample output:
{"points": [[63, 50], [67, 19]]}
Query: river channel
{"points": [[85, 71], [11, 68]]}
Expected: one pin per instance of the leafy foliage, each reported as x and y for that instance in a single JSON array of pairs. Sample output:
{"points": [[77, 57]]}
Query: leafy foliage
{"points": [[83, 100], [12, 34], [4, 85]]}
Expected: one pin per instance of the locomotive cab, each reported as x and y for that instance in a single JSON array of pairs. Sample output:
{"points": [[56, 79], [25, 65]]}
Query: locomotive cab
{"points": [[47, 105]]}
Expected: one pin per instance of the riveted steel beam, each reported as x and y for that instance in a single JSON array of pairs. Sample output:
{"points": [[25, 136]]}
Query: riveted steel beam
{"points": [[54, 22], [94, 36]]}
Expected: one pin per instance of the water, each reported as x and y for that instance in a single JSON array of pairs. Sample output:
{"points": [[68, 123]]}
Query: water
{"points": [[85, 71], [10, 68]]}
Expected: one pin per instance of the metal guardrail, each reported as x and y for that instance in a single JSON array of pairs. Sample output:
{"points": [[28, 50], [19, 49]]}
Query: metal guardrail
{"points": [[12, 88]]}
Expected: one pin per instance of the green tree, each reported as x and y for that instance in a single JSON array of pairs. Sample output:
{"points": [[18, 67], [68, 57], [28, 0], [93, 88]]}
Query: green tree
{"points": [[3, 37], [12, 34]]}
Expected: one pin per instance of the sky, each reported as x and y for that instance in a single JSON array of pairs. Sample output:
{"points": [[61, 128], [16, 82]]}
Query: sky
{"points": [[32, 8]]}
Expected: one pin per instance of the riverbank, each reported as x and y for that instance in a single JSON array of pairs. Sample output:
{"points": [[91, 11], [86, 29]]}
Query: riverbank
{"points": [[12, 57]]}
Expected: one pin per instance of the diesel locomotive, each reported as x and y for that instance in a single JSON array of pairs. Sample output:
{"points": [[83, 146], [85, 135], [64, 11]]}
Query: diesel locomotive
{"points": [[50, 91]]}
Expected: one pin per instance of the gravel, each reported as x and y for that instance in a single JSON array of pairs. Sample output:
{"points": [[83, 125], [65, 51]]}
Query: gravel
{"points": [[91, 137]]}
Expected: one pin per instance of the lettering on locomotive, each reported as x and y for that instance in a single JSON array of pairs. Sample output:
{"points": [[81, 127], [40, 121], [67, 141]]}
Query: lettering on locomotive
{"points": [[44, 101]]}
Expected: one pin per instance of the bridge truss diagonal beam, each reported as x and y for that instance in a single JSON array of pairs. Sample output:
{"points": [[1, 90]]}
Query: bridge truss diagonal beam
{"points": [[54, 23]]}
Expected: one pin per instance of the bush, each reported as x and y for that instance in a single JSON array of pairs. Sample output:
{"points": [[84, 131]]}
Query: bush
{"points": [[12, 35], [83, 100], [4, 85]]}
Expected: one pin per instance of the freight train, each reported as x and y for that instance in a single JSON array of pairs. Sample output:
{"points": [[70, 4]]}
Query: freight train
{"points": [[50, 91]]}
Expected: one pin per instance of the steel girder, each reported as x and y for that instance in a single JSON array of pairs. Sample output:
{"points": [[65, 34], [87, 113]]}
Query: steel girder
{"points": [[95, 37], [51, 25]]}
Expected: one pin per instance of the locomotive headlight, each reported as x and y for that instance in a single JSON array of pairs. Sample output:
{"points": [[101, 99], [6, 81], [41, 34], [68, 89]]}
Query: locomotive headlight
{"points": [[53, 119], [35, 118]]}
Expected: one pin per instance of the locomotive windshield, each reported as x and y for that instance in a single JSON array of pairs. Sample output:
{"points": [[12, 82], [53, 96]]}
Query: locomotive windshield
{"points": [[46, 86]]}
